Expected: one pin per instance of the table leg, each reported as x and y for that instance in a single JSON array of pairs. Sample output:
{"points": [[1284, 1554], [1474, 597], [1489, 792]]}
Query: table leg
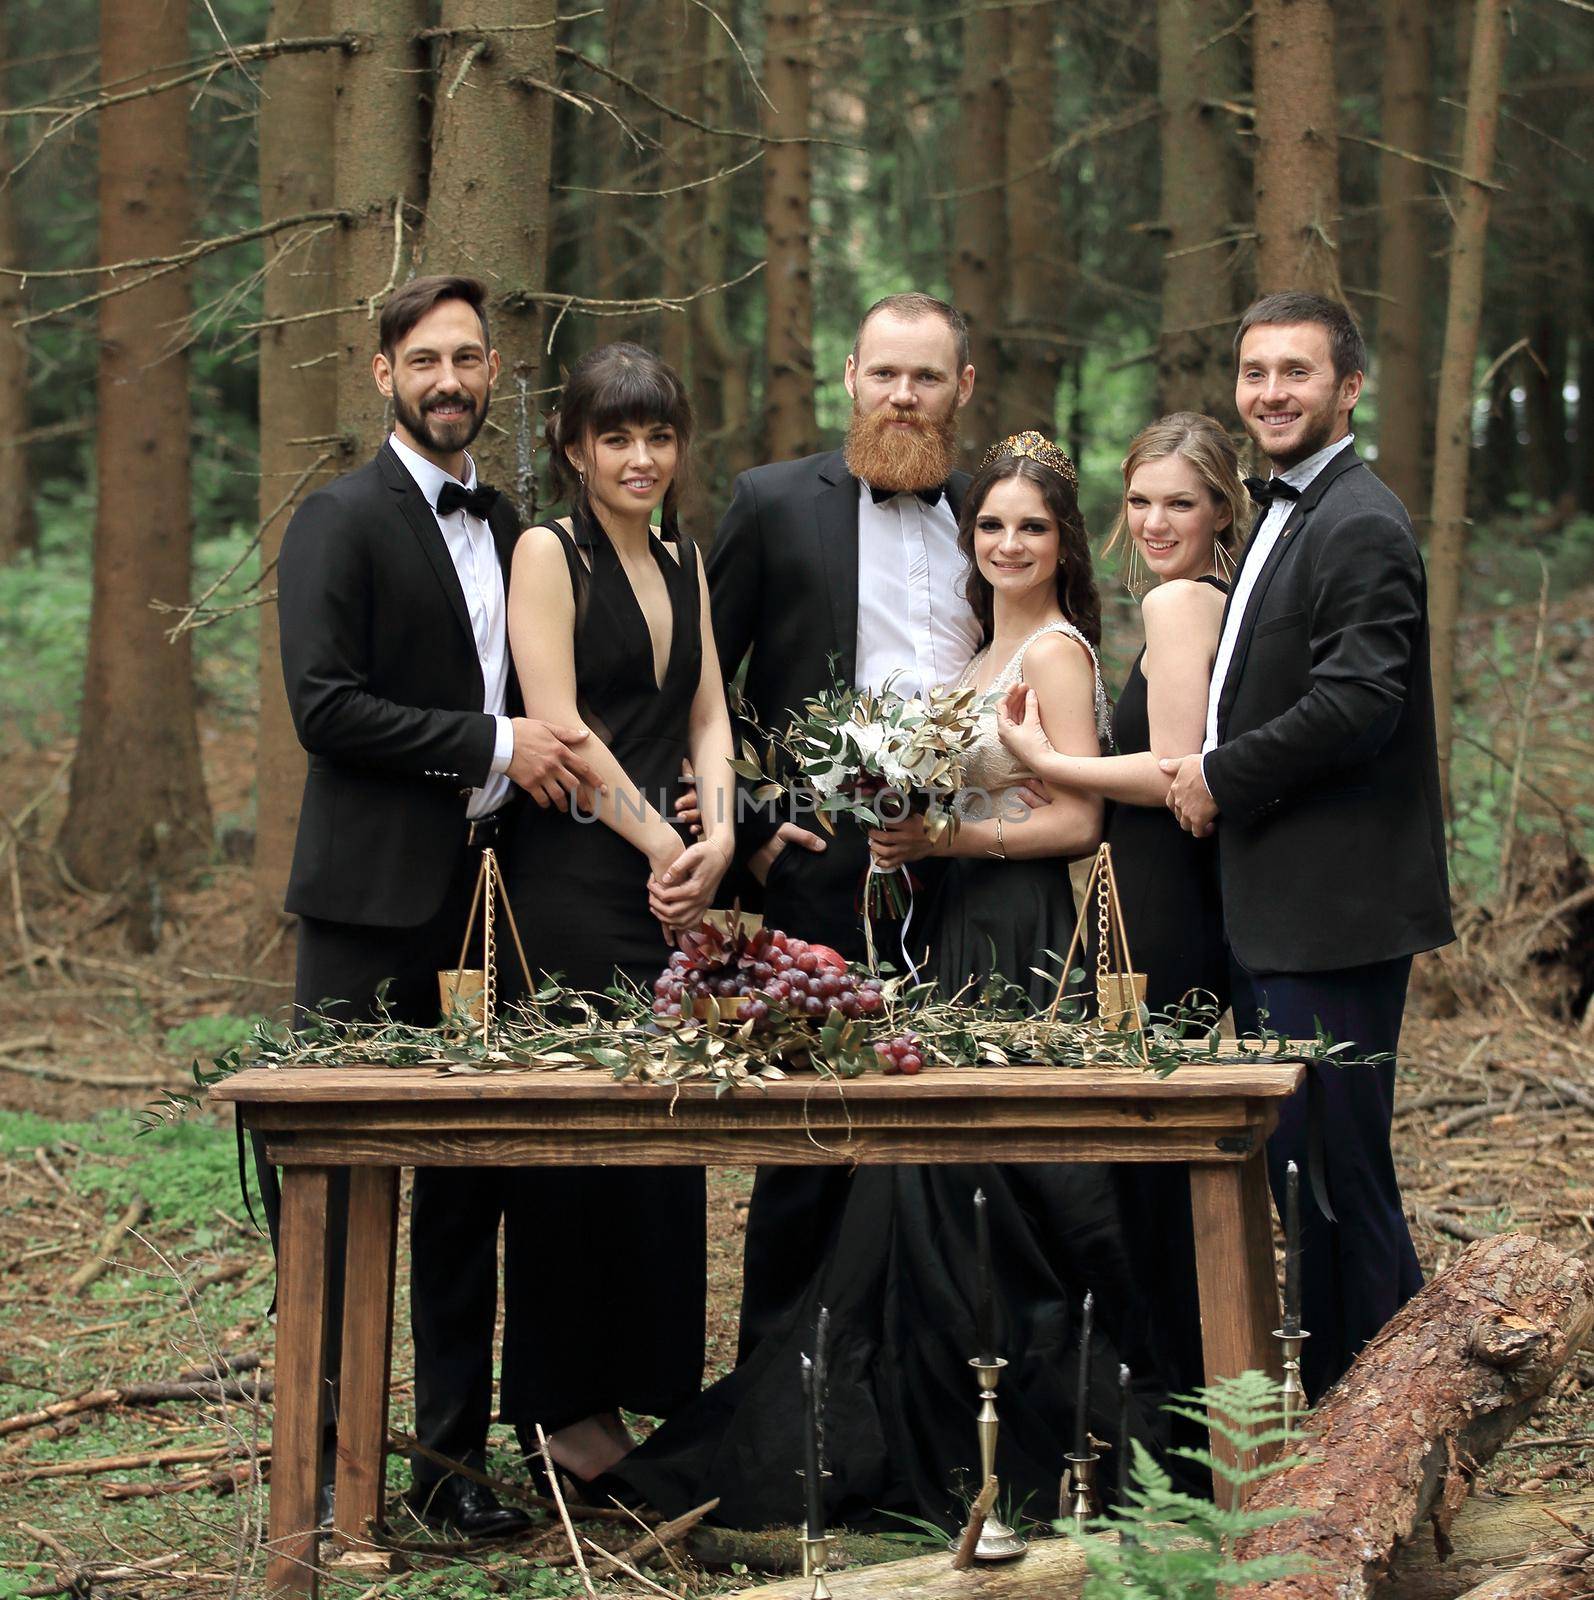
{"points": [[367, 1352], [1236, 1273], [300, 1390]]}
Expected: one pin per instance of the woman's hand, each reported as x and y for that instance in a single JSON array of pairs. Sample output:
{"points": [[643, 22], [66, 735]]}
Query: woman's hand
{"points": [[680, 894], [900, 842], [1018, 723]]}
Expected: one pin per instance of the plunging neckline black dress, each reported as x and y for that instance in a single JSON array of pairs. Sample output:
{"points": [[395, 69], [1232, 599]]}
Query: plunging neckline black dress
{"points": [[608, 1271]]}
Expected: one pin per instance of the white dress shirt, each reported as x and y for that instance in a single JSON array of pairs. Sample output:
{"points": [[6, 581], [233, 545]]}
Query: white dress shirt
{"points": [[912, 618], [1299, 477], [475, 557]]}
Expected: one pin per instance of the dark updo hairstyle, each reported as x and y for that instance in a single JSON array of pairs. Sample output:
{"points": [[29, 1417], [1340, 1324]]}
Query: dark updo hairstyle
{"points": [[1076, 582], [615, 386]]}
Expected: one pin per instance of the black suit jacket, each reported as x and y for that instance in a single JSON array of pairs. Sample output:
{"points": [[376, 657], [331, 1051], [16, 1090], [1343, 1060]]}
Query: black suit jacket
{"points": [[783, 585], [1330, 834], [386, 693]]}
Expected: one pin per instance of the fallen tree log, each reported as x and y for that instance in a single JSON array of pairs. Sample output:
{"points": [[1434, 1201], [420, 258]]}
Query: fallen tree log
{"points": [[1568, 1575], [1398, 1440], [1491, 1537], [1054, 1569]]}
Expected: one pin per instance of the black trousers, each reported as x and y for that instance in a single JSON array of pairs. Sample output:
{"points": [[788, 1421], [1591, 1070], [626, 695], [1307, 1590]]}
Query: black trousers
{"points": [[795, 1210], [454, 1212], [1360, 1268]]}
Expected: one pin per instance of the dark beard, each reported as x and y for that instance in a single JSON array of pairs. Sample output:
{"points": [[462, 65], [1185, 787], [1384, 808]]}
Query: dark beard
{"points": [[444, 438], [889, 458], [1317, 435]]}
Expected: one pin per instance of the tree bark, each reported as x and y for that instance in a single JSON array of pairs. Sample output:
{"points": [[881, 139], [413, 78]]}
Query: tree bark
{"points": [[298, 394], [789, 426], [1297, 154], [487, 212], [1198, 68], [19, 528], [1032, 341], [1567, 1576], [1463, 317], [1490, 1538], [378, 179], [1403, 189], [1053, 1569], [1548, 465], [978, 268], [137, 801], [1399, 1439]]}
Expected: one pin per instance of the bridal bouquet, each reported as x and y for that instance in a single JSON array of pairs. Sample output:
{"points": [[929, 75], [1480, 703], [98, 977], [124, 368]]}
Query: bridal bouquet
{"points": [[878, 756]]}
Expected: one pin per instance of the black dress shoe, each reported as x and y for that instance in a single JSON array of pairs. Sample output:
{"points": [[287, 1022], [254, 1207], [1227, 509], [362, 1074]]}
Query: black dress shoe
{"points": [[469, 1508]]}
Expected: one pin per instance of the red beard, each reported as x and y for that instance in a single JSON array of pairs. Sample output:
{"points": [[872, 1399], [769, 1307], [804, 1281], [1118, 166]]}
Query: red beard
{"points": [[900, 459]]}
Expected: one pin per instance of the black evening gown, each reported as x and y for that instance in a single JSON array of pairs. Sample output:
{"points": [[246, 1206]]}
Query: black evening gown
{"points": [[617, 1239], [1173, 916], [898, 1279]]}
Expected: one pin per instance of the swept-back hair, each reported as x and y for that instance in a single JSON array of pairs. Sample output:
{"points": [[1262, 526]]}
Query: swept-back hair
{"points": [[1346, 346], [1204, 444], [616, 386], [410, 303], [1075, 579], [913, 305]]}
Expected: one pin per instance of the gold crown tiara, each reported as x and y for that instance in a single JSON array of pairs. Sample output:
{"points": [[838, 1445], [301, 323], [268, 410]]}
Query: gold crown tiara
{"points": [[1033, 446]]}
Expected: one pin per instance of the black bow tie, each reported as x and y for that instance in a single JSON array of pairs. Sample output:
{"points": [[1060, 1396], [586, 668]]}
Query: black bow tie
{"points": [[455, 496], [928, 496], [1266, 490]]}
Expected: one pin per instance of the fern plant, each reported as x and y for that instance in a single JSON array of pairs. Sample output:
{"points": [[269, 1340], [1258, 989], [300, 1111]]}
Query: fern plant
{"points": [[1174, 1546]]}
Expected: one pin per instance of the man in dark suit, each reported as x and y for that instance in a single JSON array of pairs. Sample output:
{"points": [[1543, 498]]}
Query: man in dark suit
{"points": [[850, 554], [1321, 775], [391, 600]]}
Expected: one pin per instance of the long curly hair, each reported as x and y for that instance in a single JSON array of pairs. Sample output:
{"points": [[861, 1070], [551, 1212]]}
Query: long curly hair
{"points": [[1075, 578]]}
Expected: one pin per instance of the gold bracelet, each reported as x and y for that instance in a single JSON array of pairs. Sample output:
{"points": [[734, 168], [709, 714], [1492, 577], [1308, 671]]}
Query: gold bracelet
{"points": [[1000, 852]]}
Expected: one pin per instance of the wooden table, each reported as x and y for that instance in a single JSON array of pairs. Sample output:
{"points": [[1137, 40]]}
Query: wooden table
{"points": [[375, 1120]]}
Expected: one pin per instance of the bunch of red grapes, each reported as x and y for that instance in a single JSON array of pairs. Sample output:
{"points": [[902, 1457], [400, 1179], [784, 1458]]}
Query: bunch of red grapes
{"points": [[902, 1054], [771, 974]]}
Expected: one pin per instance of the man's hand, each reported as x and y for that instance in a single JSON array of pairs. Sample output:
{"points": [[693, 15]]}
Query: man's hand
{"points": [[763, 858], [1188, 796], [547, 768]]}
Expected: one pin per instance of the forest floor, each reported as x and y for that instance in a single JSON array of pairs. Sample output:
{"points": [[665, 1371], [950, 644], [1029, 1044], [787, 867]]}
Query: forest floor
{"points": [[1495, 1132]]}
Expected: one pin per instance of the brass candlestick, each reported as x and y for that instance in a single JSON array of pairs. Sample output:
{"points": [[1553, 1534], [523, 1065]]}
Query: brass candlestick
{"points": [[1081, 1502], [997, 1542], [816, 1552], [1294, 1394]]}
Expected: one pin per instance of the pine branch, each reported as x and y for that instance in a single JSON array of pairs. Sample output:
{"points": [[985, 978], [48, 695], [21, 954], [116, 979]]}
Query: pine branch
{"points": [[659, 194]]}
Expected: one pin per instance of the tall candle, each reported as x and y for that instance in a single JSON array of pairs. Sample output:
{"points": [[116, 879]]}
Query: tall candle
{"points": [[821, 1377], [984, 1289], [1123, 1435], [1082, 1398], [811, 1480], [1292, 1251]]}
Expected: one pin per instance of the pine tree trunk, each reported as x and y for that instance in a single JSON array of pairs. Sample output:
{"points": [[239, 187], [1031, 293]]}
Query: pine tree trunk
{"points": [[1403, 189], [789, 426], [1463, 316], [298, 394], [978, 268], [487, 209], [1548, 465], [1297, 155], [1032, 342], [19, 528], [1198, 67], [138, 803], [378, 178]]}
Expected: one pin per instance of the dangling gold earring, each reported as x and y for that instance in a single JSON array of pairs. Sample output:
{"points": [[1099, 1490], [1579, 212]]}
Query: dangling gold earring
{"points": [[1136, 576], [1222, 562]]}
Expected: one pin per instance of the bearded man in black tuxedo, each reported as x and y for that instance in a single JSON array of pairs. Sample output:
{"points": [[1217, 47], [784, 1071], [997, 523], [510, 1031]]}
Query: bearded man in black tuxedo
{"points": [[850, 554], [391, 603], [1321, 776]]}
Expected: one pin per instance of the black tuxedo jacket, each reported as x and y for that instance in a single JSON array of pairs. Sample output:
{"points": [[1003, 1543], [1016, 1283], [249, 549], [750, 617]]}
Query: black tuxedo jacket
{"points": [[783, 585], [386, 693], [1330, 834]]}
